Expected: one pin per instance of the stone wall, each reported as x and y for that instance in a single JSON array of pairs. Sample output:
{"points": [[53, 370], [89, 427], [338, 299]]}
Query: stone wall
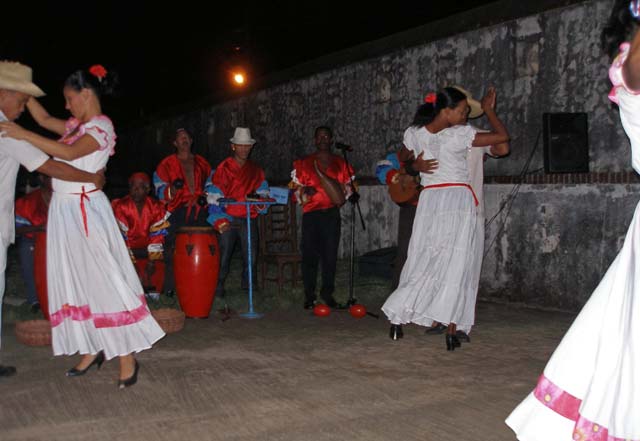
{"points": [[557, 239]]}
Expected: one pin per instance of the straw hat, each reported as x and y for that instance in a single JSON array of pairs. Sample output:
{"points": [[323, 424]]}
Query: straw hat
{"points": [[242, 136], [17, 77], [474, 105]]}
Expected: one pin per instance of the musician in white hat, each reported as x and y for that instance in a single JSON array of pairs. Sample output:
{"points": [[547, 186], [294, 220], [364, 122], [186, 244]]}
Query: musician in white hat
{"points": [[239, 178], [16, 89]]}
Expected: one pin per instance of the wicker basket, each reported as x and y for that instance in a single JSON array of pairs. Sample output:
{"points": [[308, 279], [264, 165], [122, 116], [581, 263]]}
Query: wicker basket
{"points": [[34, 332], [170, 320]]}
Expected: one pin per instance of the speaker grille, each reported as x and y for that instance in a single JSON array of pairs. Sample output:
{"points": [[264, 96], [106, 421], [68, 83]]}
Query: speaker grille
{"points": [[566, 143]]}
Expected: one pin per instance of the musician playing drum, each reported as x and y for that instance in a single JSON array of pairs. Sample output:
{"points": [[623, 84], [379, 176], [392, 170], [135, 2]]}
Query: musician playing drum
{"points": [[179, 181], [143, 222], [322, 184]]}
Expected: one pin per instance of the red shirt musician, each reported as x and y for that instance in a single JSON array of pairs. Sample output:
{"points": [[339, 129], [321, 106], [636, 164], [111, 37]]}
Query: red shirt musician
{"points": [[237, 177], [32, 209], [179, 180], [143, 222], [322, 184]]}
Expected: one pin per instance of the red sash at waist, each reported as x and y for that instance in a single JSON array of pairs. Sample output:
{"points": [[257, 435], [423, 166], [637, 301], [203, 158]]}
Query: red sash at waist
{"points": [[454, 184]]}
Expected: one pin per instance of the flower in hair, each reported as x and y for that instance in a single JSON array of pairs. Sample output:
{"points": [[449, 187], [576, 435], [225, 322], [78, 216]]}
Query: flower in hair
{"points": [[98, 71], [431, 98]]}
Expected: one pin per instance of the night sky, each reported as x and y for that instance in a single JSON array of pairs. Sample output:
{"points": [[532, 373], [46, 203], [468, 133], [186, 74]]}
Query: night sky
{"points": [[168, 56]]}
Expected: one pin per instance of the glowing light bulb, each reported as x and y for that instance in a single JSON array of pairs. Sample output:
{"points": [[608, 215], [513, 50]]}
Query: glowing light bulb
{"points": [[238, 78]]}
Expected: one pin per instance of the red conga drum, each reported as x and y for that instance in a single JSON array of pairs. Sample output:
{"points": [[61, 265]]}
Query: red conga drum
{"points": [[40, 270], [157, 278], [196, 263]]}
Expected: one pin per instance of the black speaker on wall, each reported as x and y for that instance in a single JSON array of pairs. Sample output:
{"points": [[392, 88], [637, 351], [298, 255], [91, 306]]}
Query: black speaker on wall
{"points": [[566, 143]]}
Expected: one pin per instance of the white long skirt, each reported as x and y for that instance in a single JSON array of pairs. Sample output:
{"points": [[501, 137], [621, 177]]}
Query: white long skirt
{"points": [[96, 301], [590, 389], [438, 281]]}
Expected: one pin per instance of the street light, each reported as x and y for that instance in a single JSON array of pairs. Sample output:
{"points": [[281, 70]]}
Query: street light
{"points": [[239, 78]]}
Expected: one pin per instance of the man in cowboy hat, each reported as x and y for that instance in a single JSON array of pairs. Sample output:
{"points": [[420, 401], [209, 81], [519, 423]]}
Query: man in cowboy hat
{"points": [[16, 88], [237, 177]]}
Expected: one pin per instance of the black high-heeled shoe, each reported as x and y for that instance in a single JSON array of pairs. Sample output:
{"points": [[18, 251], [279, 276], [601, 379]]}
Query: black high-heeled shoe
{"points": [[73, 372], [131, 380], [395, 332], [438, 329], [463, 336], [452, 342]]}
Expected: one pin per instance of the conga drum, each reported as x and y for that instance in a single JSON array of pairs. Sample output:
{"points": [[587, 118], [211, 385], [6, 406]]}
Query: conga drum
{"points": [[196, 263], [40, 270], [157, 278]]}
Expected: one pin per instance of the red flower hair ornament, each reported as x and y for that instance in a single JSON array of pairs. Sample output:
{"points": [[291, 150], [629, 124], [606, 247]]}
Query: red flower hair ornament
{"points": [[431, 98], [98, 71]]}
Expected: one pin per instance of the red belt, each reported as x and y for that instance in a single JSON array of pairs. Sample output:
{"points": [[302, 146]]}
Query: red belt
{"points": [[454, 184], [83, 196]]}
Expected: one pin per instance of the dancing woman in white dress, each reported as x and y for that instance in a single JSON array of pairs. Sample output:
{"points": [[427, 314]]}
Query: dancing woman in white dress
{"points": [[590, 388], [96, 303], [437, 283]]}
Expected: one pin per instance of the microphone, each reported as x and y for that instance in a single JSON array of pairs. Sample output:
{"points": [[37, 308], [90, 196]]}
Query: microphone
{"points": [[345, 147]]}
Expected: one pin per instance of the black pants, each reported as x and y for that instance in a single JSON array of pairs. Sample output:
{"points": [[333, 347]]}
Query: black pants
{"points": [[26, 247], [405, 225], [227, 241], [320, 240], [179, 219]]}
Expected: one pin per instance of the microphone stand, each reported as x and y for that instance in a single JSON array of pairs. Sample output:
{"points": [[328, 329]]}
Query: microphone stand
{"points": [[354, 199]]}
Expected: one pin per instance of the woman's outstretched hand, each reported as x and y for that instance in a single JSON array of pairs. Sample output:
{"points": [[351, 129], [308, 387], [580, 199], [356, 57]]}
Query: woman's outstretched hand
{"points": [[13, 130], [488, 102]]}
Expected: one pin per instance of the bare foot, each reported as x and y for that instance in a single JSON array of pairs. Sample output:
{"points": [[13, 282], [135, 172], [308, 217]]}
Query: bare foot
{"points": [[86, 360], [127, 366]]}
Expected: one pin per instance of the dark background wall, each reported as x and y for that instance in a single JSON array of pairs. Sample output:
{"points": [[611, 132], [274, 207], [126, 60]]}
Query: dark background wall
{"points": [[557, 239]]}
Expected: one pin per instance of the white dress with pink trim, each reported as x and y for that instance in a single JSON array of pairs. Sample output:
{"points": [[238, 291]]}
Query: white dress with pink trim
{"points": [[590, 389], [96, 301]]}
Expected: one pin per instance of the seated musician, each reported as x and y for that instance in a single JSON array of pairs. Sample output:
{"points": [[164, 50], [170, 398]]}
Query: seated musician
{"points": [[31, 216], [179, 180], [143, 222], [237, 177]]}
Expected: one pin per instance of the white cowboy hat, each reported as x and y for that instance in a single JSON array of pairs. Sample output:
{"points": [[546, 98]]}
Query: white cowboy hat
{"points": [[474, 105], [17, 77], [242, 136]]}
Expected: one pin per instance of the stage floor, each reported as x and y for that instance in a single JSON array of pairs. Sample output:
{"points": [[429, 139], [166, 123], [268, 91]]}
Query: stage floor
{"points": [[289, 376]]}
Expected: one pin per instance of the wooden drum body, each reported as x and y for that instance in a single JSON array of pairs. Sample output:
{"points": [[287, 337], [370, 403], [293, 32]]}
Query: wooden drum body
{"points": [[196, 264]]}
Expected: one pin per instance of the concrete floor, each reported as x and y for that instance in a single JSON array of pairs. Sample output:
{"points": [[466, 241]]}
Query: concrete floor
{"points": [[289, 376]]}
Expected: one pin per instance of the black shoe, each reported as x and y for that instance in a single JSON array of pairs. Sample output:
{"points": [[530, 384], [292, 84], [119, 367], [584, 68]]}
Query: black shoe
{"points": [[463, 336], [131, 380], [73, 372], [35, 308], [7, 371], [331, 303], [309, 304], [436, 330], [452, 342], [395, 332]]}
